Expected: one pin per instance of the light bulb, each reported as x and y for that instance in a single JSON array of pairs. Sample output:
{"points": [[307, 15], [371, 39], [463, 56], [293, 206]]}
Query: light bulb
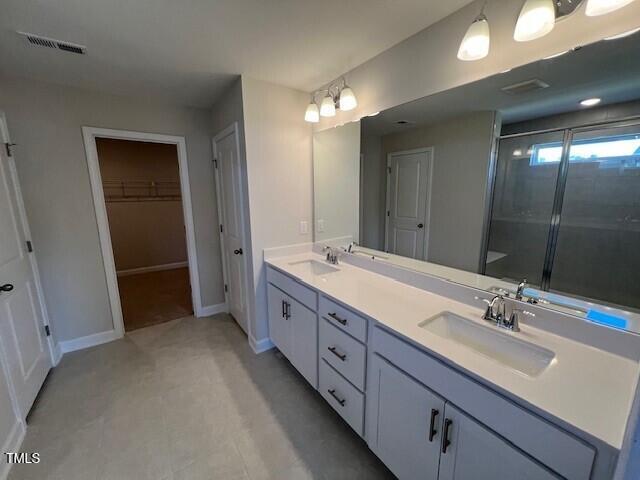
{"points": [[590, 102], [347, 99], [600, 7], [312, 115], [536, 19], [475, 44], [328, 107]]}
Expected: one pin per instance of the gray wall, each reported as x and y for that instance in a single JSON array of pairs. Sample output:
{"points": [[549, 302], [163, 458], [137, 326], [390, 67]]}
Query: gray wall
{"points": [[373, 186], [280, 177], [45, 121], [462, 148]]}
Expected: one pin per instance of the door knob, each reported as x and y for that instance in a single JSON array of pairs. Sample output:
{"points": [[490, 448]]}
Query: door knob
{"points": [[238, 251], [420, 225], [7, 287]]}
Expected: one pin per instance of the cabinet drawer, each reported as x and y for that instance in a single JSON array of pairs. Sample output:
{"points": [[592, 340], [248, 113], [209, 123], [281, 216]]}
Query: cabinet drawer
{"points": [[548, 444], [342, 396], [343, 318], [346, 355], [288, 285]]}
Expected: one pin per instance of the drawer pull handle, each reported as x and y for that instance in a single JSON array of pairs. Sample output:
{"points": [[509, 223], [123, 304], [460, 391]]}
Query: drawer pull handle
{"points": [[341, 401], [341, 356], [287, 314], [284, 309], [342, 321], [432, 426], [445, 436]]}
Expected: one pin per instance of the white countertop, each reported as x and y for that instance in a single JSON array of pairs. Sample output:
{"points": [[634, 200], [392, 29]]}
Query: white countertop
{"points": [[586, 387]]}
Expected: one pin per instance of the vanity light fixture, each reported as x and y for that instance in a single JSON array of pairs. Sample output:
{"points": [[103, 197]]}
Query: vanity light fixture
{"points": [[347, 99], [337, 95], [536, 19], [328, 107], [590, 102], [601, 7], [476, 42], [312, 115]]}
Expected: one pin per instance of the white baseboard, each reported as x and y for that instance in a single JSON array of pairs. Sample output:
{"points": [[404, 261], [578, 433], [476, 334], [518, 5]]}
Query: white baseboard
{"points": [[13, 443], [152, 268], [209, 310], [261, 345], [56, 354], [89, 341]]}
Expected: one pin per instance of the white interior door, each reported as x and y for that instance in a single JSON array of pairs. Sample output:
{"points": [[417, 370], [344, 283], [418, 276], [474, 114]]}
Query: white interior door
{"points": [[408, 192], [21, 326], [230, 199]]}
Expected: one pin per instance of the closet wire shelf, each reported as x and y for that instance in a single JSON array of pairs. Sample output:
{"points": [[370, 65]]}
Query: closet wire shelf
{"points": [[140, 191]]}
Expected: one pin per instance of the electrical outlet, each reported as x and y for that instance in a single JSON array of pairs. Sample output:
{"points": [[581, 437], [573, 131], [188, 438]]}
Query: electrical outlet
{"points": [[320, 225], [304, 227]]}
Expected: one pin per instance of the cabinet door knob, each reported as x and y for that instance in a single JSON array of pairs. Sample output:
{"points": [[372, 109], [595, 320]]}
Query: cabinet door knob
{"points": [[432, 425], [445, 435], [341, 401], [421, 225], [7, 287], [341, 356], [238, 251], [342, 321]]}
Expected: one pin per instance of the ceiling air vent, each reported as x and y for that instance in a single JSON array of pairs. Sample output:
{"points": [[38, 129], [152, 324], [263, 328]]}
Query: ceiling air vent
{"points": [[525, 87], [41, 41]]}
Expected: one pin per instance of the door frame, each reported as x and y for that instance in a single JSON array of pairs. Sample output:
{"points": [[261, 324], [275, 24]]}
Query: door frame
{"points": [[90, 134], [54, 352], [233, 129], [427, 199]]}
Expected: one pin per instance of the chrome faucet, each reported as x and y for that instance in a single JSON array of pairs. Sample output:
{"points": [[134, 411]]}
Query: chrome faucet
{"points": [[332, 255], [496, 312], [351, 246], [521, 286]]}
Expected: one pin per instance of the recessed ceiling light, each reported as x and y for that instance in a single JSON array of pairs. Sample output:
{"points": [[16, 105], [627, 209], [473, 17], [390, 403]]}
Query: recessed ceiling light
{"points": [[555, 55], [590, 102], [624, 34]]}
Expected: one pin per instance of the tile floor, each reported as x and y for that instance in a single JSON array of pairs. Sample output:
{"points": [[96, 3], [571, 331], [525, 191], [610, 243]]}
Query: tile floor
{"points": [[187, 400]]}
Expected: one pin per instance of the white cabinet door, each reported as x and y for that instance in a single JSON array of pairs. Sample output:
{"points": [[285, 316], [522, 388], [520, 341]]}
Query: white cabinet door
{"points": [[409, 424], [21, 325], [304, 341], [473, 452], [279, 321]]}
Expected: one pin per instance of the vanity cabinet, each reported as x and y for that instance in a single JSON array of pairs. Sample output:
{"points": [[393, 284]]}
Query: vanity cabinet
{"points": [[293, 329], [420, 435], [409, 423]]}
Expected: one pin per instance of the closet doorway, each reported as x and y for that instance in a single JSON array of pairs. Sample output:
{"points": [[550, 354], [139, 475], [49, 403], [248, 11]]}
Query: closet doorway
{"points": [[141, 193]]}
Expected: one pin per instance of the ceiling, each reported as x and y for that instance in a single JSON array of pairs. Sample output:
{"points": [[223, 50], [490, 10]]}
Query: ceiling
{"points": [[187, 52], [608, 69]]}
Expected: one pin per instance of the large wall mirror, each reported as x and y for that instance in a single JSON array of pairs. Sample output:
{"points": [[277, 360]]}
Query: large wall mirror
{"points": [[530, 174]]}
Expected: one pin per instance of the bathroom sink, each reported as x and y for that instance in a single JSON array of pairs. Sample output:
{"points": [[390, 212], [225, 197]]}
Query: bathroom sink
{"points": [[313, 267], [502, 347]]}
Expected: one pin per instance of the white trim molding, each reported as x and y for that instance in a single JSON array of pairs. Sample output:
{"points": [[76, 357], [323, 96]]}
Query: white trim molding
{"points": [[13, 443], [90, 134], [89, 341], [151, 268], [209, 310], [262, 345]]}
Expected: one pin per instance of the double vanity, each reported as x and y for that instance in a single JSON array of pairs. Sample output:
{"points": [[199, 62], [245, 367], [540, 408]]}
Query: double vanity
{"points": [[437, 391]]}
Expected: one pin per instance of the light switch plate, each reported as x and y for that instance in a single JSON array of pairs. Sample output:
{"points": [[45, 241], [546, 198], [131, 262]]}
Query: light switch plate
{"points": [[304, 227], [321, 225]]}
